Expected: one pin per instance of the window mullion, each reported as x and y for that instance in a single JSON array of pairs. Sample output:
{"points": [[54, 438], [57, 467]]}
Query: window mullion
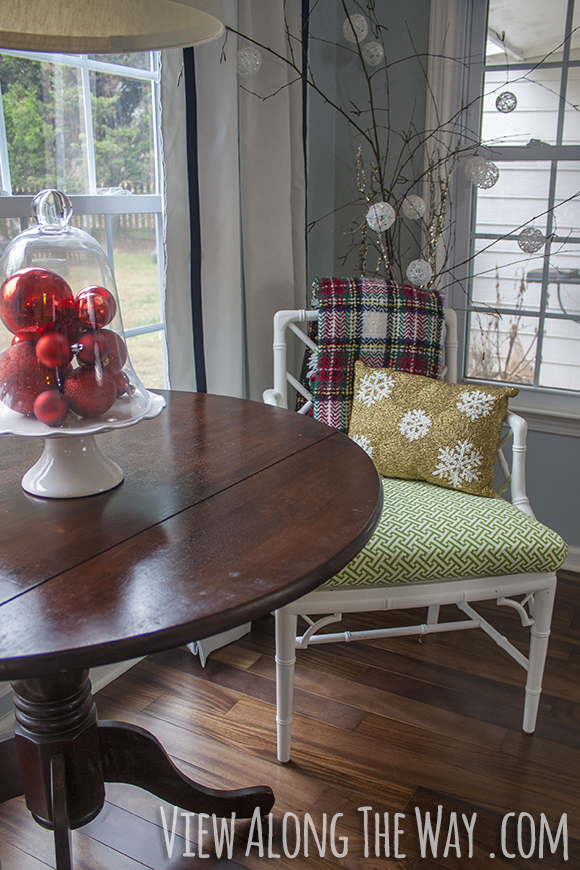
{"points": [[88, 117], [4, 161]]}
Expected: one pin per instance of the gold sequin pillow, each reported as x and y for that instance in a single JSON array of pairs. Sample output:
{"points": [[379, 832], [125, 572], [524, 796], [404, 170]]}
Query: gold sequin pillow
{"points": [[422, 429]]}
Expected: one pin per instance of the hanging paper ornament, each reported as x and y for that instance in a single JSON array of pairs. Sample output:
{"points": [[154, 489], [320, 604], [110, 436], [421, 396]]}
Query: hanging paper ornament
{"points": [[506, 102], [531, 240], [474, 168], [414, 207], [380, 216], [248, 61], [373, 53], [419, 272], [355, 26]]}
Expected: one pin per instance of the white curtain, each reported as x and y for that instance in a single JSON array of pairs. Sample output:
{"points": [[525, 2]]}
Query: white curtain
{"points": [[251, 176]]}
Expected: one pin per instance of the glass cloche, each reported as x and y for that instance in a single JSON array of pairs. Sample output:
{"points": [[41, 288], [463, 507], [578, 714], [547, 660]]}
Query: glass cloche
{"points": [[63, 357], [64, 365]]}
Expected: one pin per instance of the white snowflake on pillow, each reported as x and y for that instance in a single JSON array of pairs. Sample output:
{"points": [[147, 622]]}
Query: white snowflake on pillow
{"points": [[364, 442], [415, 424], [459, 463], [475, 403], [375, 386]]}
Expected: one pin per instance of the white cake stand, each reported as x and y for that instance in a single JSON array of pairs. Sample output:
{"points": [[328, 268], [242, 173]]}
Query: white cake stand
{"points": [[72, 464]]}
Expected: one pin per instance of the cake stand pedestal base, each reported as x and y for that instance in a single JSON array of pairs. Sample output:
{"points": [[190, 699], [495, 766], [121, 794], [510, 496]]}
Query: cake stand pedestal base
{"points": [[71, 467]]}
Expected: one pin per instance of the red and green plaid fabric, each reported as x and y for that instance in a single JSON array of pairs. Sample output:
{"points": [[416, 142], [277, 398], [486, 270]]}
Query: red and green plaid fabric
{"points": [[383, 324]]}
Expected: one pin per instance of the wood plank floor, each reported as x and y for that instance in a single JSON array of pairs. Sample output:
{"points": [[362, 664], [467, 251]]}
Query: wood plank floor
{"points": [[399, 725]]}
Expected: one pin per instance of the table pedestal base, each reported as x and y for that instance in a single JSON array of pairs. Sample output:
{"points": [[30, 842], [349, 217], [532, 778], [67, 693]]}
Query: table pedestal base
{"points": [[60, 757]]}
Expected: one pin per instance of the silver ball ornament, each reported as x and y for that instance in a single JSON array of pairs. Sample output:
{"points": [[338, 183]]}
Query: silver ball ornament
{"points": [[355, 26], [506, 102], [248, 61], [474, 168], [373, 53], [419, 272], [489, 176], [414, 207], [531, 240], [380, 216]]}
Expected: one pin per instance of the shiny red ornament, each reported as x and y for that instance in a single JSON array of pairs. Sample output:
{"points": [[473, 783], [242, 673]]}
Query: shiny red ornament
{"points": [[50, 407], [122, 382], [53, 350], [90, 391], [25, 335], [33, 298], [93, 348], [23, 377], [96, 306], [117, 354]]}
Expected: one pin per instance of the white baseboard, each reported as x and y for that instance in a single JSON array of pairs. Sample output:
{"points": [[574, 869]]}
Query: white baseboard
{"points": [[100, 677], [572, 563]]}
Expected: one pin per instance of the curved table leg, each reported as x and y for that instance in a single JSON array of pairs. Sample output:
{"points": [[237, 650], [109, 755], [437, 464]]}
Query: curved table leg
{"points": [[132, 755]]}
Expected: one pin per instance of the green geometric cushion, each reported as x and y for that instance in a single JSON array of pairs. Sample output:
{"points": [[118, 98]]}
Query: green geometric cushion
{"points": [[430, 533]]}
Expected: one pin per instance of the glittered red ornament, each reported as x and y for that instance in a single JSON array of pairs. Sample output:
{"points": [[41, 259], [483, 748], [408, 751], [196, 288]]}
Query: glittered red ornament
{"points": [[117, 355], [96, 306], [53, 350], [93, 348], [23, 377], [90, 391], [33, 298], [50, 407]]}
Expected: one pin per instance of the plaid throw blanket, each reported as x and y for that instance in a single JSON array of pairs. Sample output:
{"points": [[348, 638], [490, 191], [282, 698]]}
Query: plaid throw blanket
{"points": [[378, 322]]}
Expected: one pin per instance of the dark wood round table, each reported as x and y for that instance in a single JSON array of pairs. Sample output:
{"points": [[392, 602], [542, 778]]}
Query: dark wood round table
{"points": [[229, 509]]}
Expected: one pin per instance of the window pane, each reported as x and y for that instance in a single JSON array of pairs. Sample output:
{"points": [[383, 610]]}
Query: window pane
{"points": [[136, 59], [136, 271], [519, 197], [501, 276], [519, 30], [560, 366], [45, 127], [123, 132], [571, 108], [502, 348], [567, 200], [146, 353], [563, 295], [536, 114]]}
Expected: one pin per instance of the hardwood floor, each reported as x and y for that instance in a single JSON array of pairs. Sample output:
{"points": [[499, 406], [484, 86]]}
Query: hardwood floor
{"points": [[400, 726]]}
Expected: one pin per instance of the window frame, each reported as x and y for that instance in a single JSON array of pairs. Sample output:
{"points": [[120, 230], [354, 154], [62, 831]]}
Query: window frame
{"points": [[547, 409], [106, 203]]}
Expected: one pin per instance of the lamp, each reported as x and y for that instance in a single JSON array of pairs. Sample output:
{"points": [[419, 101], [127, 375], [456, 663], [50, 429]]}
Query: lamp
{"points": [[114, 26]]}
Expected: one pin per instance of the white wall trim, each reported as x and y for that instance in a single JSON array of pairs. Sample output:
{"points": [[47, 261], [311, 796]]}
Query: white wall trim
{"points": [[572, 563], [554, 419]]}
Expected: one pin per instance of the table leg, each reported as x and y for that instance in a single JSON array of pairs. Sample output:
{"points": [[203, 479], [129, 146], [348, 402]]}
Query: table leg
{"points": [[60, 758], [132, 755]]}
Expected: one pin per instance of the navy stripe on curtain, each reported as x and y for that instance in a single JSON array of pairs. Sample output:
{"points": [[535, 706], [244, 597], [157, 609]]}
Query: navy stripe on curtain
{"points": [[194, 219]]}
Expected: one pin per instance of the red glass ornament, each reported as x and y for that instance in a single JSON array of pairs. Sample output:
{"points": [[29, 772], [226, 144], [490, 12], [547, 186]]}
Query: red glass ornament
{"points": [[93, 348], [53, 350], [122, 382], [33, 298], [23, 377], [50, 407], [117, 354], [90, 391], [25, 335], [96, 306]]}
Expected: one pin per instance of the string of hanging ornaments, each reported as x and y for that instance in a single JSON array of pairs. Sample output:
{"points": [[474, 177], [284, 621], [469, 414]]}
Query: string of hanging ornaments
{"points": [[356, 29]]}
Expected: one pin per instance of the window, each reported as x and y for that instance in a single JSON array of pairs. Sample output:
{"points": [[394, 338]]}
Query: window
{"points": [[524, 301], [88, 125]]}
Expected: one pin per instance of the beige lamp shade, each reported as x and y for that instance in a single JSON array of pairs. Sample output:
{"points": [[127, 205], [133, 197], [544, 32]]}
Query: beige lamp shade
{"points": [[107, 26]]}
